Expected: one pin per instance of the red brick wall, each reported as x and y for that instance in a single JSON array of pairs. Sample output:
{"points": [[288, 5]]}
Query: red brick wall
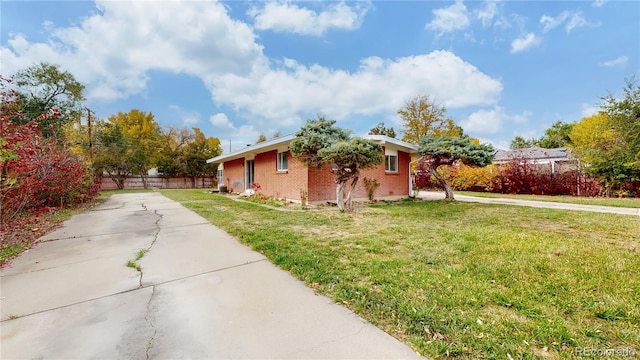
{"points": [[323, 187], [282, 184], [233, 176], [319, 182], [322, 184]]}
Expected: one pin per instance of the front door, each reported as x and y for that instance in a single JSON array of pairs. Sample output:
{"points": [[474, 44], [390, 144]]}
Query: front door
{"points": [[249, 174]]}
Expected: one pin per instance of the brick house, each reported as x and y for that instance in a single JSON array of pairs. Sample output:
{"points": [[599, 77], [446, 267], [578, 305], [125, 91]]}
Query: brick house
{"points": [[279, 174]]}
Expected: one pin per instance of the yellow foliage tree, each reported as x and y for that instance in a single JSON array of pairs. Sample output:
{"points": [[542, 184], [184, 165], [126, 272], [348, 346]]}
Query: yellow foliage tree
{"points": [[422, 117], [601, 148]]}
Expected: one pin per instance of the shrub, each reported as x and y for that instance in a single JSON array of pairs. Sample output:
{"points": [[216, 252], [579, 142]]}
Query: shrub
{"points": [[371, 185], [36, 171]]}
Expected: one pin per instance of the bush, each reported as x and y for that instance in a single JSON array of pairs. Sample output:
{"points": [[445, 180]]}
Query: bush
{"points": [[371, 185], [517, 176], [36, 171]]}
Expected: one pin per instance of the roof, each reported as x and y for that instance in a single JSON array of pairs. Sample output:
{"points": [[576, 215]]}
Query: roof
{"points": [[534, 153], [283, 141]]}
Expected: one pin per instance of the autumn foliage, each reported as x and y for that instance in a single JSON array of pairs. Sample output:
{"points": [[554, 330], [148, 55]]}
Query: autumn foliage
{"points": [[36, 171], [517, 176]]}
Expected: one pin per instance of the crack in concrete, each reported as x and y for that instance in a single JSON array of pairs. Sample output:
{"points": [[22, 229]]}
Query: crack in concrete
{"points": [[155, 238], [136, 289], [113, 208], [150, 320]]}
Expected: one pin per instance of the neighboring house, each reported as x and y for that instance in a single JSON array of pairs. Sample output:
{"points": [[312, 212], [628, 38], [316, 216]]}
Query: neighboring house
{"points": [[279, 174], [555, 160]]}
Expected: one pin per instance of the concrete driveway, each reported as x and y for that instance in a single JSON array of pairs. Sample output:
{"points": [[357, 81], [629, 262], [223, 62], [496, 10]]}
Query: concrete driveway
{"points": [[432, 195], [200, 294]]}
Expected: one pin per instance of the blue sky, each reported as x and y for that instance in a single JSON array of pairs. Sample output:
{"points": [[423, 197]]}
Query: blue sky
{"points": [[240, 68]]}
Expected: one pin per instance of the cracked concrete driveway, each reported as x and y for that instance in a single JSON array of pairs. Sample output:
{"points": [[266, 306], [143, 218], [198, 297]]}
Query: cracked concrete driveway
{"points": [[199, 294]]}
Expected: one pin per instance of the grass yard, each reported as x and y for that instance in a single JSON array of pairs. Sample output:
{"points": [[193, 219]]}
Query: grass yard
{"points": [[454, 279], [615, 202]]}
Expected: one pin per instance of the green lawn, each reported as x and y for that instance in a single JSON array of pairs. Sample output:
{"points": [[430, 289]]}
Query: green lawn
{"points": [[459, 279], [616, 202]]}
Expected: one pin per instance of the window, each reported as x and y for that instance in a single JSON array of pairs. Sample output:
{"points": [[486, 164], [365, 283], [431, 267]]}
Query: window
{"points": [[283, 161], [391, 163]]}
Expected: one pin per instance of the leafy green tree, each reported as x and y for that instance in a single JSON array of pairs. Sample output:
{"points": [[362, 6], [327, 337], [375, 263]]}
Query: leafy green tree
{"points": [[557, 136], [438, 151], [197, 152], [45, 90], [320, 142], [185, 153], [519, 142], [112, 156], [380, 129], [422, 117], [317, 134], [625, 118]]}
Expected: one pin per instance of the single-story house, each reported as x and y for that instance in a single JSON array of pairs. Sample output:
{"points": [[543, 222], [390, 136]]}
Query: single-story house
{"points": [[554, 160], [271, 165]]}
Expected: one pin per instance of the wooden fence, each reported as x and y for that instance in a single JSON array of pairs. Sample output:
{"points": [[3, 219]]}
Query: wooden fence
{"points": [[158, 182]]}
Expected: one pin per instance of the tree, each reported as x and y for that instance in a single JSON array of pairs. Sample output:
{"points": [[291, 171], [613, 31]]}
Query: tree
{"points": [[422, 117], [557, 136], [380, 129], [276, 134], [45, 89], [112, 156], [519, 142], [438, 151], [170, 155], [602, 149], [262, 138], [34, 170], [625, 118], [185, 153], [320, 142], [317, 134], [142, 137], [197, 152]]}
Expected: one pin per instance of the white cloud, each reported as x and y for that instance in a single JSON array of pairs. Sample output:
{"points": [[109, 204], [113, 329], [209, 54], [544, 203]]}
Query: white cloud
{"points": [[598, 3], [589, 109], [492, 121], [236, 136], [188, 118], [288, 17], [111, 51], [525, 42], [487, 13], [290, 91], [576, 21], [619, 62], [114, 51], [573, 20], [454, 17], [552, 22]]}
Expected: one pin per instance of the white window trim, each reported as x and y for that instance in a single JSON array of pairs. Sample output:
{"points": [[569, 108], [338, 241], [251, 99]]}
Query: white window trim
{"points": [[386, 168], [279, 161]]}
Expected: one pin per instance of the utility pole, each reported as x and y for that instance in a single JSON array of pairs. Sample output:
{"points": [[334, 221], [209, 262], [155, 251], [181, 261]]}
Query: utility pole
{"points": [[90, 140]]}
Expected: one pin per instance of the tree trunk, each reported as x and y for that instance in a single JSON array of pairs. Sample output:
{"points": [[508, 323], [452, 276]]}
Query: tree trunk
{"points": [[447, 188], [340, 194], [349, 205]]}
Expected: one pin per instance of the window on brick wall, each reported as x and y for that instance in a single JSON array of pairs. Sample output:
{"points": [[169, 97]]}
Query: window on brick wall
{"points": [[283, 161], [391, 163]]}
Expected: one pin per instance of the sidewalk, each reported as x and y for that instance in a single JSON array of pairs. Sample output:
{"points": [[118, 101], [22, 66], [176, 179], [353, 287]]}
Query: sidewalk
{"points": [[431, 195], [200, 294]]}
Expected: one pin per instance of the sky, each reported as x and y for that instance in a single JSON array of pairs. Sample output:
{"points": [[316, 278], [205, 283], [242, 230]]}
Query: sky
{"points": [[236, 69]]}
